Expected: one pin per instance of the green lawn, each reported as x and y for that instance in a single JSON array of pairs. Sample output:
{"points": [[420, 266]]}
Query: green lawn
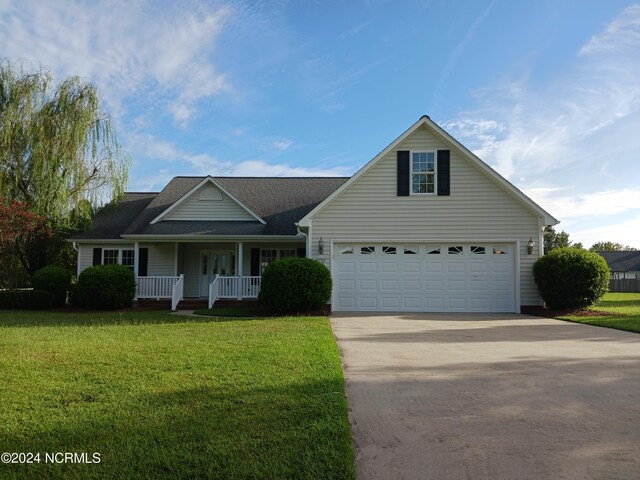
{"points": [[161, 396], [624, 308]]}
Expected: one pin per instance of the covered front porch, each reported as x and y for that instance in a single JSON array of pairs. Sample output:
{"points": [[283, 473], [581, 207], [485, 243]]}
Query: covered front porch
{"points": [[207, 270]]}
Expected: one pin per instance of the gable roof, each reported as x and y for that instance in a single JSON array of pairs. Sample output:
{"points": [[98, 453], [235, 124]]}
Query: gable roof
{"points": [[205, 180], [622, 261], [279, 201], [548, 219]]}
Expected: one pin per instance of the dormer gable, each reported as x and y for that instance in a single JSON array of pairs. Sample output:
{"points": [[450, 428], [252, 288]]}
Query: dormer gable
{"points": [[208, 201]]}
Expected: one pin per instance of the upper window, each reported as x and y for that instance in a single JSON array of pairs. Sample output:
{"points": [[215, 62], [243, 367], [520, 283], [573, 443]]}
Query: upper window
{"points": [[367, 250], [389, 250], [423, 172]]}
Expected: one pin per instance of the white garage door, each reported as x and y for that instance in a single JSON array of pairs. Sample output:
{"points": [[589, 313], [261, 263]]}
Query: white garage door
{"points": [[425, 278]]}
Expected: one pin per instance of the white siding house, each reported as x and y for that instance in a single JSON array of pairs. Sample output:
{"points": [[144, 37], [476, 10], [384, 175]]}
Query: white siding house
{"points": [[424, 226]]}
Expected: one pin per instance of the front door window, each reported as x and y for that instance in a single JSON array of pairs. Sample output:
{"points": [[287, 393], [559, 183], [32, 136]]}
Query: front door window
{"points": [[212, 263]]}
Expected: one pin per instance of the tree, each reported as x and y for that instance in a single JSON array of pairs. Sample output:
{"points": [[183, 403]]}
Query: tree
{"points": [[19, 228], [553, 240], [610, 247], [58, 151]]}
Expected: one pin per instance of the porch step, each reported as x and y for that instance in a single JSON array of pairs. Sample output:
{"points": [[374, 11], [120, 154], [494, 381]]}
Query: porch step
{"points": [[192, 304]]}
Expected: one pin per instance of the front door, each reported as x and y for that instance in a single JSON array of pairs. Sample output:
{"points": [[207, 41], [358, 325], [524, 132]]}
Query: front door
{"points": [[212, 263]]}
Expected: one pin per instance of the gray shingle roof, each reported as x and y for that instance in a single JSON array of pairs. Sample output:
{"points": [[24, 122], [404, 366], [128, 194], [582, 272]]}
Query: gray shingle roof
{"points": [[111, 221], [622, 261], [279, 201]]}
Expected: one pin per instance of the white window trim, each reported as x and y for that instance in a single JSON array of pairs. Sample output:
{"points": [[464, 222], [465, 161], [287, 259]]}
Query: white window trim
{"points": [[435, 173], [119, 262]]}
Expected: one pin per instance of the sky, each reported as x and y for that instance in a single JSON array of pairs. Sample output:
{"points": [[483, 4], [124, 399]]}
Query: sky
{"points": [[546, 92]]}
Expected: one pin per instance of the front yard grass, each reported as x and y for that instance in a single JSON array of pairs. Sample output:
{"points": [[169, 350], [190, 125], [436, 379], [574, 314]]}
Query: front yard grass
{"points": [[162, 396], [624, 308]]}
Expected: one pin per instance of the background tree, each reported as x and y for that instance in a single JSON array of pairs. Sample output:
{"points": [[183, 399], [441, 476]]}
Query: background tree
{"points": [[553, 240], [611, 247], [58, 152]]}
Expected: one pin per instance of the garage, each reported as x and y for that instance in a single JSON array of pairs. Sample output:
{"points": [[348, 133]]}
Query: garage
{"points": [[451, 277]]}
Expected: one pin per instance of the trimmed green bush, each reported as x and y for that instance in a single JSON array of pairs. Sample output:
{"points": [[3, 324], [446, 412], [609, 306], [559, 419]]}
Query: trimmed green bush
{"points": [[26, 300], [53, 279], [295, 284], [571, 278], [12, 299], [106, 287], [40, 300]]}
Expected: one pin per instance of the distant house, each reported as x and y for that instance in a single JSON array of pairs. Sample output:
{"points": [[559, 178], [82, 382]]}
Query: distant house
{"points": [[623, 264], [426, 226]]}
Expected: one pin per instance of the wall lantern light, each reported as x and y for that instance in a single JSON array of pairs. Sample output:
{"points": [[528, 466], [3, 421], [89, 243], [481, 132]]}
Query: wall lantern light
{"points": [[530, 245], [320, 246]]}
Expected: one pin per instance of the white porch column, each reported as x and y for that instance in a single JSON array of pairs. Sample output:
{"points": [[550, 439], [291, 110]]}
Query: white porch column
{"points": [[136, 253], [239, 268], [175, 260]]}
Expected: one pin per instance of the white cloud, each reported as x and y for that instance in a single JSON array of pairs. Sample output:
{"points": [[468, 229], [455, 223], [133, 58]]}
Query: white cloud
{"points": [[626, 232], [621, 33], [565, 204], [160, 52], [154, 149], [283, 144]]}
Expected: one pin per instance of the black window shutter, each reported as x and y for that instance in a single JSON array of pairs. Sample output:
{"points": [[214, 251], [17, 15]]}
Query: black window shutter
{"points": [[255, 262], [444, 170], [403, 173], [97, 256], [143, 261], [302, 252]]}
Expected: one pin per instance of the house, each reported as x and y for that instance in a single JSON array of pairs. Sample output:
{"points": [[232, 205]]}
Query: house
{"points": [[424, 226], [623, 265]]}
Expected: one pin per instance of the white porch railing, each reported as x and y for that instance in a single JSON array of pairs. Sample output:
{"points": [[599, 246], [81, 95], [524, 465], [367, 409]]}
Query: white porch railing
{"points": [[177, 292], [161, 287], [213, 291], [234, 287]]}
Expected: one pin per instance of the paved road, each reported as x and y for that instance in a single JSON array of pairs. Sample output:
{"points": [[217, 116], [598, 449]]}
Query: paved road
{"points": [[453, 396]]}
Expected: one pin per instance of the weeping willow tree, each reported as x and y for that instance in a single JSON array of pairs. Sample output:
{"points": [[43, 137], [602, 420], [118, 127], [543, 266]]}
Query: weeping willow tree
{"points": [[58, 150]]}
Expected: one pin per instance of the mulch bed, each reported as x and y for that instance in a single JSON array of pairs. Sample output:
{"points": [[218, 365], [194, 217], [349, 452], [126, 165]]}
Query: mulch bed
{"points": [[546, 312]]}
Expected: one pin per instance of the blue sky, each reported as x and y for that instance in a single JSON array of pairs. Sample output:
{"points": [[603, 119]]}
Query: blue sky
{"points": [[546, 92]]}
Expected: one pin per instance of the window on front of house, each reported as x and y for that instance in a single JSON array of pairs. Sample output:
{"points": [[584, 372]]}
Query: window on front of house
{"points": [[423, 172], [110, 257], [268, 256], [127, 258]]}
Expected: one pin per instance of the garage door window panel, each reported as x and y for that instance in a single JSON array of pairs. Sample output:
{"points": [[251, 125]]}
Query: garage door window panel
{"points": [[457, 250], [367, 250]]}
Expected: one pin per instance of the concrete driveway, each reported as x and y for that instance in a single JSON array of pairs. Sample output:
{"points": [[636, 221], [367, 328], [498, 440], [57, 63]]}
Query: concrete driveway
{"points": [[479, 396]]}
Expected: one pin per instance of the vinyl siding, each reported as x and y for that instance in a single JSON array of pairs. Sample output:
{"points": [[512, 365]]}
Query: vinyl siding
{"points": [[195, 209], [161, 259], [477, 210]]}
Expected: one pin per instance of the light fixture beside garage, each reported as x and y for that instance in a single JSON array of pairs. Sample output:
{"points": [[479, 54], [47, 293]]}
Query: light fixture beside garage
{"points": [[530, 245], [320, 246]]}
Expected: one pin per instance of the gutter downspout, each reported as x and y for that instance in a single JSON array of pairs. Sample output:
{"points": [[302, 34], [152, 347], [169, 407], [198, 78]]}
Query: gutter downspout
{"points": [[306, 239]]}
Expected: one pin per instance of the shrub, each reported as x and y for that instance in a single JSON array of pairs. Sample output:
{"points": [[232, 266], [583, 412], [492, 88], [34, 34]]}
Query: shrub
{"points": [[106, 287], [26, 299], [53, 279], [12, 299], [295, 284], [39, 300], [571, 278]]}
